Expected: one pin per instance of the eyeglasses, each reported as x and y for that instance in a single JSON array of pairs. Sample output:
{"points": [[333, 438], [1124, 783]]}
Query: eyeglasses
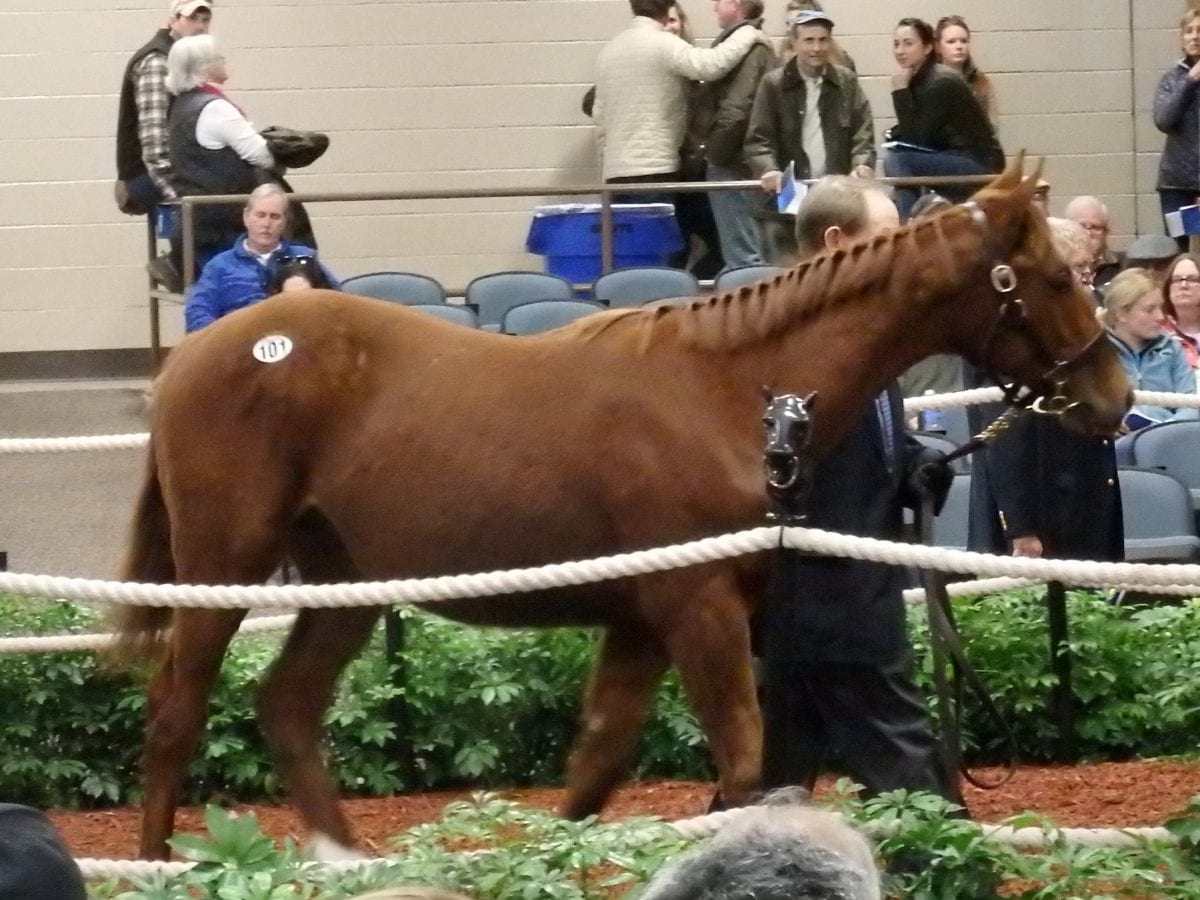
{"points": [[1093, 228], [1189, 280], [1086, 274]]}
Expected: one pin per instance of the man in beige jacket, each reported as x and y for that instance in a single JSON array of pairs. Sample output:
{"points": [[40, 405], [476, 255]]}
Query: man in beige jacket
{"points": [[641, 94]]}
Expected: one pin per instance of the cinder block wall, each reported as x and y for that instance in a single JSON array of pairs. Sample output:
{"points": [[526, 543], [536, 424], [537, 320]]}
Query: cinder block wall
{"points": [[465, 93]]}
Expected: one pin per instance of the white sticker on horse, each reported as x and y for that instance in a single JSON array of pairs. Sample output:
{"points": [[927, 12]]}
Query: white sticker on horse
{"points": [[272, 348]]}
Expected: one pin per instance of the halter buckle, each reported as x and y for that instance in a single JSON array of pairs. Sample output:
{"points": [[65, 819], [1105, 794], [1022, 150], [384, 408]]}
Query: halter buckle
{"points": [[1004, 279]]}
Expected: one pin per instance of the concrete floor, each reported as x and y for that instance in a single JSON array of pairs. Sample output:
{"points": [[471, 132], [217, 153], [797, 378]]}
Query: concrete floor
{"points": [[68, 513]]}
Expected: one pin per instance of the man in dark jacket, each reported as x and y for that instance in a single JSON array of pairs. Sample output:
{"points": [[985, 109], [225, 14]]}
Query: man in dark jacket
{"points": [[143, 161], [811, 114], [722, 114], [837, 657]]}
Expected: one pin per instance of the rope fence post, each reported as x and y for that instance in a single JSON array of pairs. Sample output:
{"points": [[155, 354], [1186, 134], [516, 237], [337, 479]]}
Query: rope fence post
{"points": [[1062, 694]]}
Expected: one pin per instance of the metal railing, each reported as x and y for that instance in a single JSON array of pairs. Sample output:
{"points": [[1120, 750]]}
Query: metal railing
{"points": [[605, 192]]}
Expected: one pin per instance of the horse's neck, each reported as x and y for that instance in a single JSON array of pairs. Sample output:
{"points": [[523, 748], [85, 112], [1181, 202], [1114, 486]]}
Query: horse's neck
{"points": [[847, 355]]}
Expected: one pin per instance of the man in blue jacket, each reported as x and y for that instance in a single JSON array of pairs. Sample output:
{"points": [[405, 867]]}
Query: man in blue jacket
{"points": [[243, 274]]}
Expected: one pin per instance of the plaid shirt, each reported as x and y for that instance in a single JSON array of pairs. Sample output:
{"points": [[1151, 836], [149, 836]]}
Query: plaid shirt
{"points": [[152, 101]]}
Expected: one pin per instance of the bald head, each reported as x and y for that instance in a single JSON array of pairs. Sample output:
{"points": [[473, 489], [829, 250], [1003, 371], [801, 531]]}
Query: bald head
{"points": [[839, 209]]}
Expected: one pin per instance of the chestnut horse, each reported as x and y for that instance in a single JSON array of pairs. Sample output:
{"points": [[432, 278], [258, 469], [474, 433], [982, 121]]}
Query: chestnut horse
{"points": [[389, 444]]}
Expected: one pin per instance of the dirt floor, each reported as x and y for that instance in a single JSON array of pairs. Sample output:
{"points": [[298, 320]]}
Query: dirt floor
{"points": [[1108, 794]]}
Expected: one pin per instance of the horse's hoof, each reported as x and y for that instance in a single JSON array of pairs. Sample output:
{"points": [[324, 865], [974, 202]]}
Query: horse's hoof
{"points": [[321, 848]]}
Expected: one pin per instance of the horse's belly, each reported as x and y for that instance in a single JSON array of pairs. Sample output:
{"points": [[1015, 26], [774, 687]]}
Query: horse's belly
{"points": [[584, 606]]}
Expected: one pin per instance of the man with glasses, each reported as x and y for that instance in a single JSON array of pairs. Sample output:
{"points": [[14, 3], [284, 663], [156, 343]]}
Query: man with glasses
{"points": [[1091, 215], [143, 163], [244, 274]]}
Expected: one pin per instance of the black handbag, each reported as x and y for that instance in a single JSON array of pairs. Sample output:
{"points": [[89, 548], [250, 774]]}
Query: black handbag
{"points": [[295, 149]]}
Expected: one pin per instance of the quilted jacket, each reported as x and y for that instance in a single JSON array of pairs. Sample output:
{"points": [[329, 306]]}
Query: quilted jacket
{"points": [[641, 94]]}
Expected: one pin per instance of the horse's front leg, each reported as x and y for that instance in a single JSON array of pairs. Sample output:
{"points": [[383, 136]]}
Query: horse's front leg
{"points": [[177, 707], [709, 642], [623, 681]]}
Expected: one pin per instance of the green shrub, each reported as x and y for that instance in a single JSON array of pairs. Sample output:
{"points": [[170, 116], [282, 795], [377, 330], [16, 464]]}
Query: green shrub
{"points": [[490, 707], [495, 850], [1135, 672]]}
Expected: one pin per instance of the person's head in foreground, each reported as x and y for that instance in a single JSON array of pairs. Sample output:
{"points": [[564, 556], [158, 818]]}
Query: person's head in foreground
{"points": [[35, 863], [774, 853], [839, 209]]}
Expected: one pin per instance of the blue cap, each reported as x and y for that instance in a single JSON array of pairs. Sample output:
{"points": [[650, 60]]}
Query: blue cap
{"points": [[810, 17]]}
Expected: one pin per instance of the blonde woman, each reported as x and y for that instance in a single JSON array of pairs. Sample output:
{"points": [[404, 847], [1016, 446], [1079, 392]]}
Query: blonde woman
{"points": [[1153, 360]]}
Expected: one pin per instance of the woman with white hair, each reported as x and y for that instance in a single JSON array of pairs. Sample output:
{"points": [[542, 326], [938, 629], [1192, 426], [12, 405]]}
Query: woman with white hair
{"points": [[213, 146]]}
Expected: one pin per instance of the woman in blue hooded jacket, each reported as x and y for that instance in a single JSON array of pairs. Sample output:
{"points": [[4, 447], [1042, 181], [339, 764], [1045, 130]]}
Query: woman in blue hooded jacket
{"points": [[1153, 360]]}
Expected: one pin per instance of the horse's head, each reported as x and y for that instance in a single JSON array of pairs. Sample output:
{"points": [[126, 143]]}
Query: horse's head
{"points": [[1035, 324]]}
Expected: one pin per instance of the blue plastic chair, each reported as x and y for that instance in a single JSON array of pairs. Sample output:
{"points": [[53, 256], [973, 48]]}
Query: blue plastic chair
{"points": [[637, 285], [1171, 447], [495, 294], [544, 315], [451, 312], [1157, 514], [399, 287], [732, 279]]}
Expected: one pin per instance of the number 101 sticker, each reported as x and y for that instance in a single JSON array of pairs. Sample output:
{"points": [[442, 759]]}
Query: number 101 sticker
{"points": [[272, 348]]}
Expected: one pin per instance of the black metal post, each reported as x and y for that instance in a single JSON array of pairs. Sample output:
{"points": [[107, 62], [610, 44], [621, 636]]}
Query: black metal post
{"points": [[393, 643], [1062, 696]]}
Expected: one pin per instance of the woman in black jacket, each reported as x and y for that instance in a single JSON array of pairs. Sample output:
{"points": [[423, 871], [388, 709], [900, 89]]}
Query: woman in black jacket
{"points": [[941, 129], [1177, 115]]}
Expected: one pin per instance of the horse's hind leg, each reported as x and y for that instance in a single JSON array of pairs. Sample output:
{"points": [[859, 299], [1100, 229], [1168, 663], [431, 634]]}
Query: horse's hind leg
{"points": [[217, 541], [622, 685], [299, 687], [709, 643], [177, 706]]}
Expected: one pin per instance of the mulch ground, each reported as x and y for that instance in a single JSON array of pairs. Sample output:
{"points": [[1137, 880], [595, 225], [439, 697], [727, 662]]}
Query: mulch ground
{"points": [[1106, 794]]}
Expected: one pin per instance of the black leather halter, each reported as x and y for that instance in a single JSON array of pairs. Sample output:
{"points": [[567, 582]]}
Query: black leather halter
{"points": [[1048, 396]]}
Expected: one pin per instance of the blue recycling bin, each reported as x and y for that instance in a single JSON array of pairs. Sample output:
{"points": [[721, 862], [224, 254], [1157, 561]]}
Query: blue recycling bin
{"points": [[568, 236]]}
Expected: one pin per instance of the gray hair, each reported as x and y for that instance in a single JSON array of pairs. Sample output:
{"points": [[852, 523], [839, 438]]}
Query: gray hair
{"points": [[1085, 201], [1068, 237], [774, 853], [267, 189], [190, 62]]}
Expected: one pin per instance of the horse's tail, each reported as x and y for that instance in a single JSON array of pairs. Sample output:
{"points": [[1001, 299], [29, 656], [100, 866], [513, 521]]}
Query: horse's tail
{"points": [[140, 630]]}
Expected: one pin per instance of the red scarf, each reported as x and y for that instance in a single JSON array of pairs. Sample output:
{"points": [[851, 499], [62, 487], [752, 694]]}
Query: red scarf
{"points": [[210, 88]]}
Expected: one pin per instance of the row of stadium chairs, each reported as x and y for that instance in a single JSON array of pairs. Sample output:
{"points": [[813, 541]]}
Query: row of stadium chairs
{"points": [[1156, 508], [531, 317], [492, 295]]}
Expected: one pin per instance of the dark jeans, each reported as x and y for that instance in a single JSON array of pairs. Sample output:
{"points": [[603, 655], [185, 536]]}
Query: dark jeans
{"points": [[872, 716], [693, 214], [144, 196], [1170, 201], [649, 197], [915, 163]]}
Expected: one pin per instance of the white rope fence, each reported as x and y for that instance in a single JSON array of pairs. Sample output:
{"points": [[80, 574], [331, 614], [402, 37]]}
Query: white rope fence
{"points": [[1181, 578], [911, 405]]}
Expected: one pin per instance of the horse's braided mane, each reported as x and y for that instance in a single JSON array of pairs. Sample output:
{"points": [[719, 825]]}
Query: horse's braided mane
{"points": [[759, 311]]}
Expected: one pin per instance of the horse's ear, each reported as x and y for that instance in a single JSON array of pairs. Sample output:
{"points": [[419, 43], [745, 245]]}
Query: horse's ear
{"points": [[1011, 176]]}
